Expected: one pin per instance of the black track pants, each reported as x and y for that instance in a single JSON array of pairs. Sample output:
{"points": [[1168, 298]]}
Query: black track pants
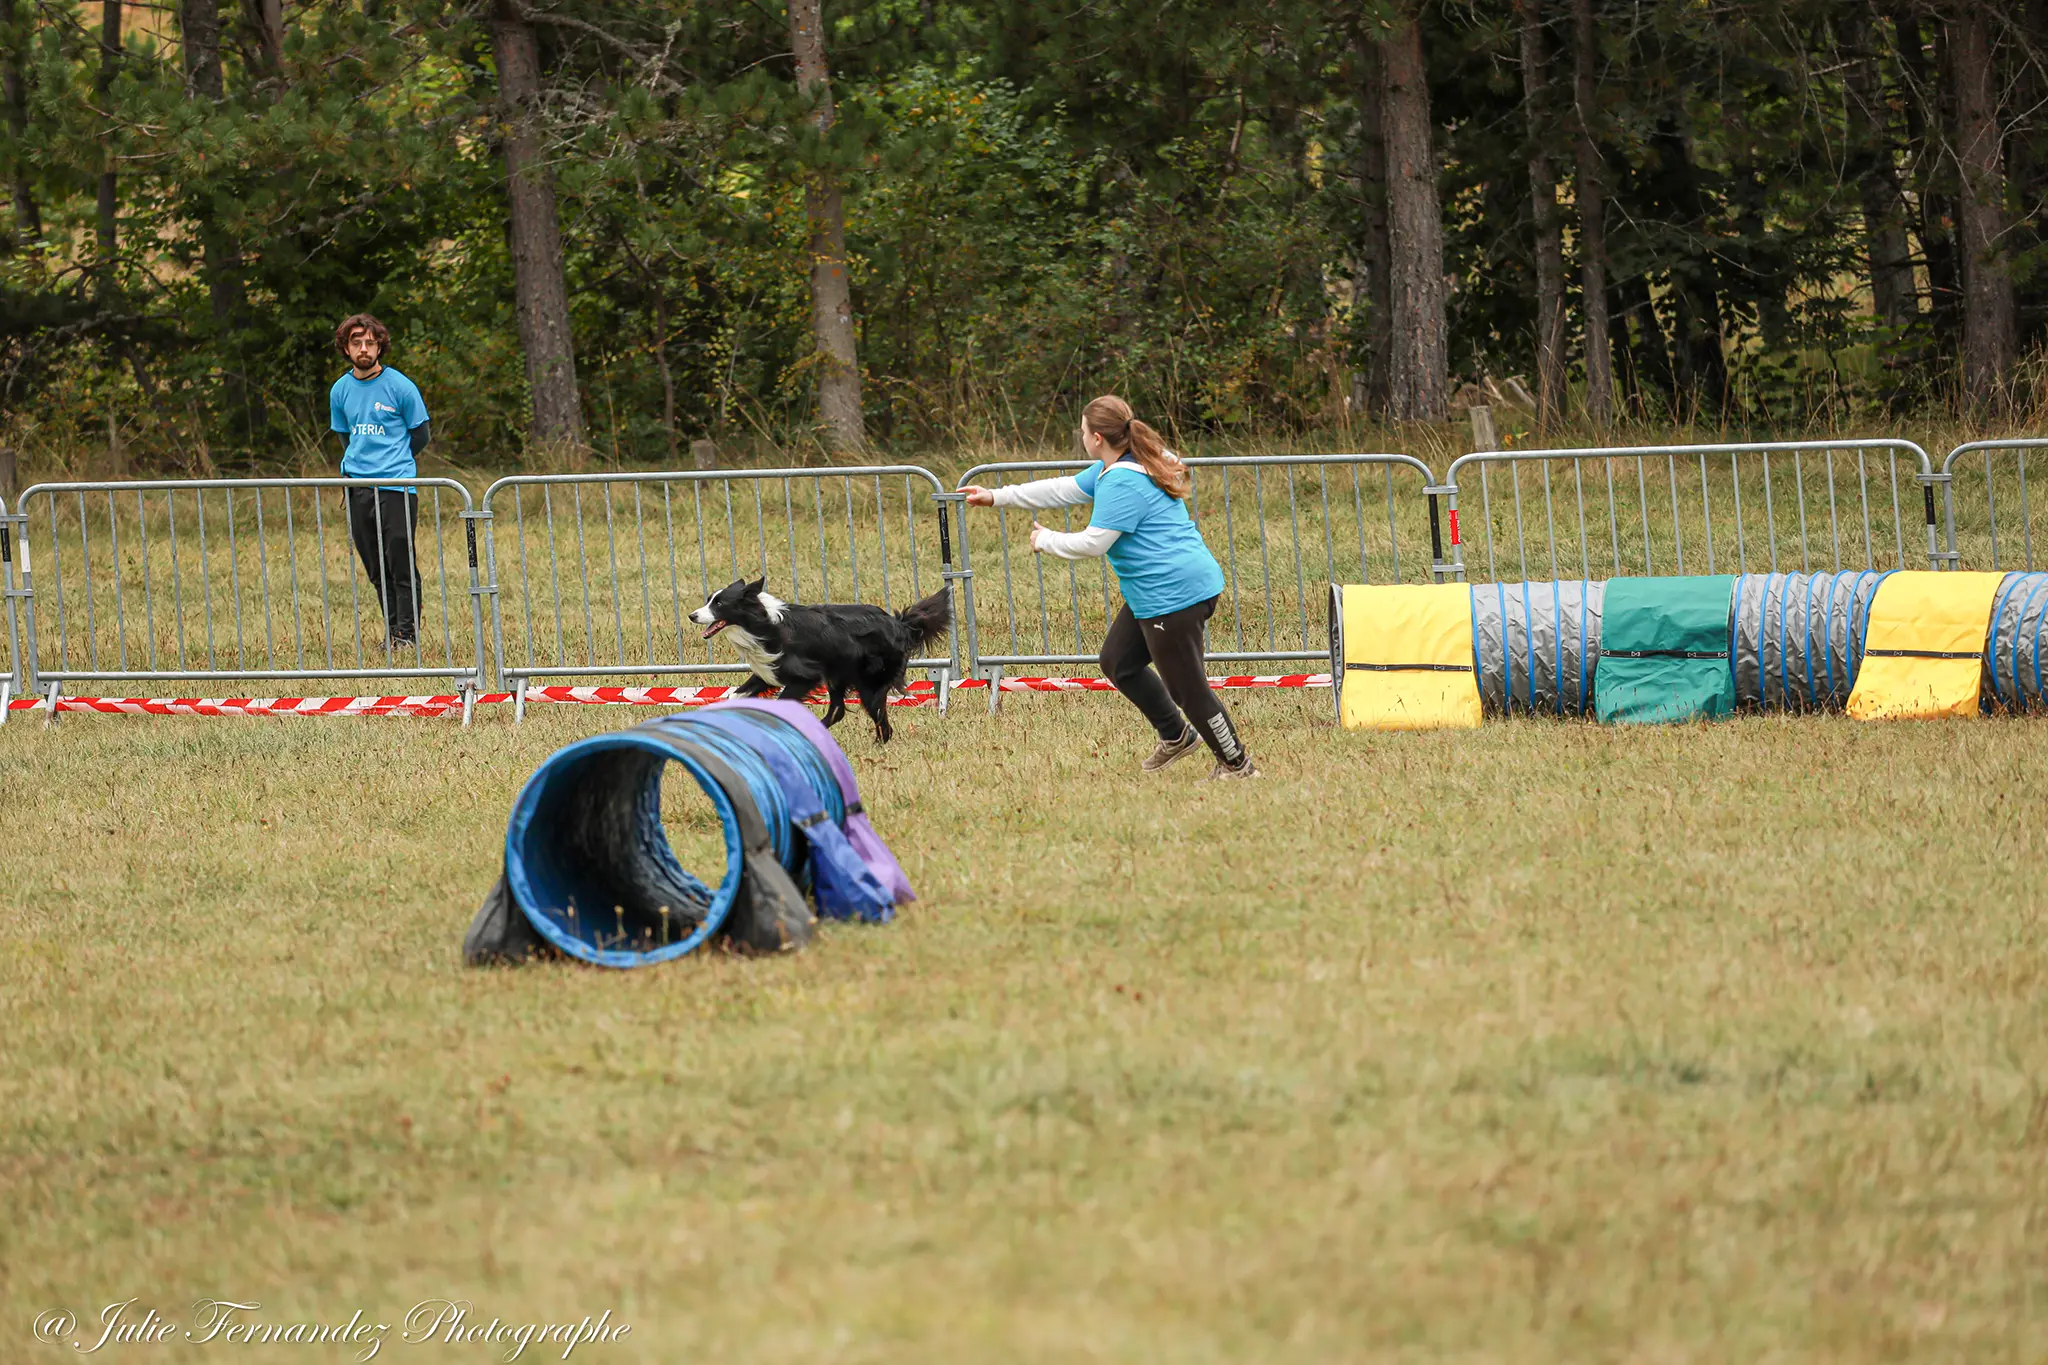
{"points": [[382, 522], [1157, 663]]}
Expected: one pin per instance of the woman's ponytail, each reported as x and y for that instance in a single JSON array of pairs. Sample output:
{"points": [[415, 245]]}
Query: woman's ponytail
{"points": [[1110, 418]]}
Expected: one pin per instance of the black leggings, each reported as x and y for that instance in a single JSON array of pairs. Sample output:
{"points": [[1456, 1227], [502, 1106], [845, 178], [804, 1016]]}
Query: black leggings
{"points": [[382, 522], [1171, 645]]}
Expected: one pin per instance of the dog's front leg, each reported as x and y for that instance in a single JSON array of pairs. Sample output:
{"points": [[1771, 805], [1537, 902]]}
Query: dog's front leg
{"points": [[755, 686]]}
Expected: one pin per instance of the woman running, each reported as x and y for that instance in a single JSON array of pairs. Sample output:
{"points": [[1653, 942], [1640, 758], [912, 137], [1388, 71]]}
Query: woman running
{"points": [[1170, 581]]}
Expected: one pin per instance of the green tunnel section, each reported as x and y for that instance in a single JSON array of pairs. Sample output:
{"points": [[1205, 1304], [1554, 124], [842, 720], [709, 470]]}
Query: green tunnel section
{"points": [[1664, 650]]}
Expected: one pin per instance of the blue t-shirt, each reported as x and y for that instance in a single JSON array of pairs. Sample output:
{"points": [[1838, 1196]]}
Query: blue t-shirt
{"points": [[1160, 561], [378, 416]]}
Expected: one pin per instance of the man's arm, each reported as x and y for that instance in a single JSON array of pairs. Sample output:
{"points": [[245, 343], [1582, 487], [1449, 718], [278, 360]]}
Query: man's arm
{"points": [[418, 426], [337, 420]]}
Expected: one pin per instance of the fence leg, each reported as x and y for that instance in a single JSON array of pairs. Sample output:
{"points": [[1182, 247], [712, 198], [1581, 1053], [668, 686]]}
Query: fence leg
{"points": [[1455, 570], [1935, 558], [945, 688], [468, 703], [1437, 568], [6, 697], [486, 586], [51, 718], [994, 674]]}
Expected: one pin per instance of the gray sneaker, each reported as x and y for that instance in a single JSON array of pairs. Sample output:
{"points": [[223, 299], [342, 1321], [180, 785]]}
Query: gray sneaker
{"points": [[1223, 772], [1170, 749]]}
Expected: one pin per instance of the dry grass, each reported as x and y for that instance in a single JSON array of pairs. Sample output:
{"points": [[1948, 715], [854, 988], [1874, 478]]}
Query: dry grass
{"points": [[1539, 1043]]}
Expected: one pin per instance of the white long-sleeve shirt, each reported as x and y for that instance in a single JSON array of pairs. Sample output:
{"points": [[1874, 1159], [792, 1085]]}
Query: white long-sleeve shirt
{"points": [[1064, 491]]}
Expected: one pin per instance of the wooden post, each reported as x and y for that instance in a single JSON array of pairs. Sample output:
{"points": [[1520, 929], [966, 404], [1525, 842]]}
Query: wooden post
{"points": [[1483, 437], [10, 475], [704, 454]]}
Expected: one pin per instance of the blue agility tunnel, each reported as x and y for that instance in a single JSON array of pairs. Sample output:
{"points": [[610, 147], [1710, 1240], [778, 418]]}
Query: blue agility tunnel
{"points": [[589, 874]]}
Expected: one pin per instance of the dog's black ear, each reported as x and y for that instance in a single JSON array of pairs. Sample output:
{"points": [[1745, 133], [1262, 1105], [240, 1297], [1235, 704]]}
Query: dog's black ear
{"points": [[756, 586]]}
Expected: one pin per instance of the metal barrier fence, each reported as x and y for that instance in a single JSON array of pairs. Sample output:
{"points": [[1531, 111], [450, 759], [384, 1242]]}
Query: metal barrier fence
{"points": [[596, 574], [1775, 505], [182, 580], [1979, 544], [9, 680], [1250, 510]]}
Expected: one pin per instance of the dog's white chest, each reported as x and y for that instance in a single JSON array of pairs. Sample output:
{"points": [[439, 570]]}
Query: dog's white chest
{"points": [[759, 659]]}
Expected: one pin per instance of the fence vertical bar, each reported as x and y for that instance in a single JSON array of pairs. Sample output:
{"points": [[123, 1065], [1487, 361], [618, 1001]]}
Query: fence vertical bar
{"points": [[92, 633], [120, 608]]}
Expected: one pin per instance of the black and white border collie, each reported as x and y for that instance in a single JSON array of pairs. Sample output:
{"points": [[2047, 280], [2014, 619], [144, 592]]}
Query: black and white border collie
{"points": [[793, 650]]}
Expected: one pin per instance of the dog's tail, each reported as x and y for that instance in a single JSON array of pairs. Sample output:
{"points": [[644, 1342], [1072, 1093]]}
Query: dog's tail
{"points": [[927, 622]]}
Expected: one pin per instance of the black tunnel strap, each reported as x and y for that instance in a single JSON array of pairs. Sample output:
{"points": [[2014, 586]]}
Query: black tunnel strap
{"points": [[1407, 668], [1663, 653], [1923, 653]]}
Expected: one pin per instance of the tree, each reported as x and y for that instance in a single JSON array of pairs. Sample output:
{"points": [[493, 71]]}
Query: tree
{"points": [[1592, 217], [1418, 374], [1372, 286], [28, 219], [199, 28], [1990, 344], [541, 290], [1923, 104], [832, 328], [109, 204], [1871, 167], [1549, 231]]}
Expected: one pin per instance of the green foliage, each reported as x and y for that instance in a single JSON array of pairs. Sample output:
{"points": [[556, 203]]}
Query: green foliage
{"points": [[1042, 204]]}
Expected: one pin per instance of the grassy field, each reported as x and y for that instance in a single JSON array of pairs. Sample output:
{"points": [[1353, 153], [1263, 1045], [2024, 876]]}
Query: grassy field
{"points": [[1544, 1042]]}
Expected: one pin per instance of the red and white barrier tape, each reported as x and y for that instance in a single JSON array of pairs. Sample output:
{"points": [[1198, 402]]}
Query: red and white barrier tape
{"points": [[254, 705], [919, 694]]}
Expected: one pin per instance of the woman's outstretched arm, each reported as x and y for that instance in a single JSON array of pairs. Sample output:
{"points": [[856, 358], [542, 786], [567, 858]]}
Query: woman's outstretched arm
{"points": [[1064, 491]]}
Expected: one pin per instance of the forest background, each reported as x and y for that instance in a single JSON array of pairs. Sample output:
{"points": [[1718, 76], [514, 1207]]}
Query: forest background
{"points": [[601, 231]]}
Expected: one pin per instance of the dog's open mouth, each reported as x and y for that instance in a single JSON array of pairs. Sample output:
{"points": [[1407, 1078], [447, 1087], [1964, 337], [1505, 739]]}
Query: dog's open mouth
{"points": [[713, 629]]}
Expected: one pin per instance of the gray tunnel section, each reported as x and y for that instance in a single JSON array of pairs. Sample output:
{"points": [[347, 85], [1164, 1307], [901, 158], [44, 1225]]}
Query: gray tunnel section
{"points": [[2014, 662], [1798, 638], [1535, 645]]}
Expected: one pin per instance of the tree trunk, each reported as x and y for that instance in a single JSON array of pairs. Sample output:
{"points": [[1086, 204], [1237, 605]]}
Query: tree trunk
{"points": [[1419, 373], [2028, 173], [1592, 218], [265, 19], [1648, 355], [838, 359], [1990, 343], [1374, 253], [1925, 98], [668, 379], [199, 27], [1700, 363], [1549, 230], [28, 219], [540, 290], [1893, 297], [103, 86]]}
